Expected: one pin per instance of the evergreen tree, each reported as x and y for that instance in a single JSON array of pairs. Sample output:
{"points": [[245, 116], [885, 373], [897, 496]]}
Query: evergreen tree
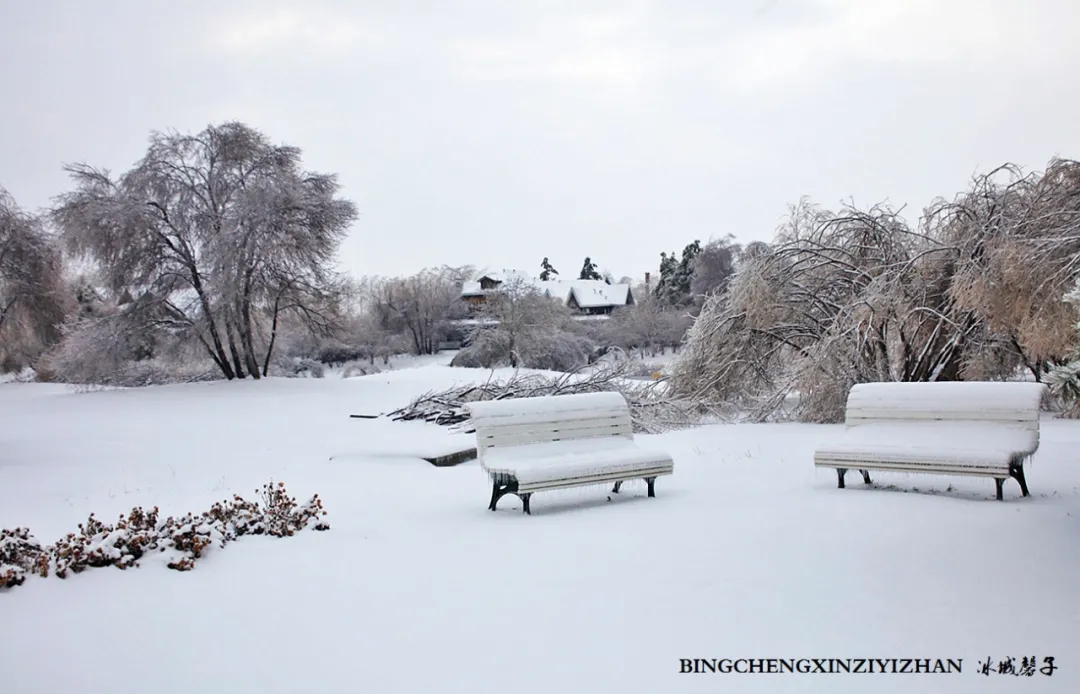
{"points": [[588, 271], [546, 270], [685, 270], [673, 287], [665, 286]]}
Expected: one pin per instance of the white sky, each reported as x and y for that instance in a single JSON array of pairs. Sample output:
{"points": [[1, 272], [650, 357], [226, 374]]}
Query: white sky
{"points": [[497, 133]]}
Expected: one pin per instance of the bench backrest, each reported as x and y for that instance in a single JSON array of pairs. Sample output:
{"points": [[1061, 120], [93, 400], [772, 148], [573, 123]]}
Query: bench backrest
{"points": [[973, 401], [518, 421]]}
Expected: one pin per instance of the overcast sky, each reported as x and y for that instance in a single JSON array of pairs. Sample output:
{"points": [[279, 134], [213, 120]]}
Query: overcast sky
{"points": [[496, 133]]}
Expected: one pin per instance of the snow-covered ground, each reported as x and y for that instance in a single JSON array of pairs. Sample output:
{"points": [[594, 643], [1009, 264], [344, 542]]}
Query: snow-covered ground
{"points": [[747, 552]]}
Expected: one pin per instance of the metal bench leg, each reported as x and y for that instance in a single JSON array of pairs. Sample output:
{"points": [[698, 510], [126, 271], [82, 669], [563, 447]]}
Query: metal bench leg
{"points": [[525, 503], [865, 476], [651, 481], [615, 489], [999, 483], [1017, 471], [840, 477], [498, 491]]}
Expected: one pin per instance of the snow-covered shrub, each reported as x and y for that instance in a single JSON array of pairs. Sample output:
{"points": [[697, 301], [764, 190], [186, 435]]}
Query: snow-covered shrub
{"points": [[1064, 379], [554, 350], [181, 540], [353, 370], [297, 367], [20, 554], [560, 350], [489, 349], [27, 375]]}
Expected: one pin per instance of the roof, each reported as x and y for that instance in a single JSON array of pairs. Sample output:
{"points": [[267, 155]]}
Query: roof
{"points": [[595, 293], [587, 293]]}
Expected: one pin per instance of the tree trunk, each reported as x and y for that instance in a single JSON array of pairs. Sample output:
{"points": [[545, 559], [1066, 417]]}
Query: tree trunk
{"points": [[1028, 364], [230, 331], [217, 351], [247, 341], [273, 335]]}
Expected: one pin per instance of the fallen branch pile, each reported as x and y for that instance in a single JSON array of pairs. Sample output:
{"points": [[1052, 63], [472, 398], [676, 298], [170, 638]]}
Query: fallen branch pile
{"points": [[650, 411], [181, 540]]}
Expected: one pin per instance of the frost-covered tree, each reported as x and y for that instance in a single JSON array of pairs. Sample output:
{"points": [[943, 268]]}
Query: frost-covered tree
{"points": [[547, 271], [521, 326], [31, 286], [676, 275], [666, 283], [839, 299], [713, 267], [217, 236], [589, 271], [647, 328], [421, 306], [971, 293], [1017, 241]]}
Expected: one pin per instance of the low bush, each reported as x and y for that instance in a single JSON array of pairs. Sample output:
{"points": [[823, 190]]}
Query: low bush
{"points": [[181, 540]]}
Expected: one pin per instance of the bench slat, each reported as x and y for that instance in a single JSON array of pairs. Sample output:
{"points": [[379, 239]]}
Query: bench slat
{"points": [[948, 401], [542, 431], [533, 437], [598, 478], [938, 469]]}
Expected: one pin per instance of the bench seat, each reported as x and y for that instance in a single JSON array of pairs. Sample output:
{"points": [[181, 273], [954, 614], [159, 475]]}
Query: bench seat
{"points": [[983, 448], [565, 460]]}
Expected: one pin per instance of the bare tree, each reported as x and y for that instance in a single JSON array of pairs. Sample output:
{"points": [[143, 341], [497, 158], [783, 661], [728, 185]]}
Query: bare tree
{"points": [[839, 299], [521, 326], [216, 235], [421, 306], [1018, 250], [648, 327], [713, 267], [31, 286]]}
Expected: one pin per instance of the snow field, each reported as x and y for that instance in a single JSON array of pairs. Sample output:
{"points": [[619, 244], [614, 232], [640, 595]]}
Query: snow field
{"points": [[747, 551]]}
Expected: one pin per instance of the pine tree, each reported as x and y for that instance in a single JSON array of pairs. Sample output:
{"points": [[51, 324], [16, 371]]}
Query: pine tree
{"points": [[673, 288], [665, 286], [588, 271], [685, 271], [546, 270]]}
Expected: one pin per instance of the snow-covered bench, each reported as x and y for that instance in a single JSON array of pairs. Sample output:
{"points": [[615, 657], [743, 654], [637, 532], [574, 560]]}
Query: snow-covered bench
{"points": [[530, 445], [979, 429]]}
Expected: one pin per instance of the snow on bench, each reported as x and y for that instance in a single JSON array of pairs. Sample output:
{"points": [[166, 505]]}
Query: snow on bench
{"points": [[529, 445], [978, 429]]}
